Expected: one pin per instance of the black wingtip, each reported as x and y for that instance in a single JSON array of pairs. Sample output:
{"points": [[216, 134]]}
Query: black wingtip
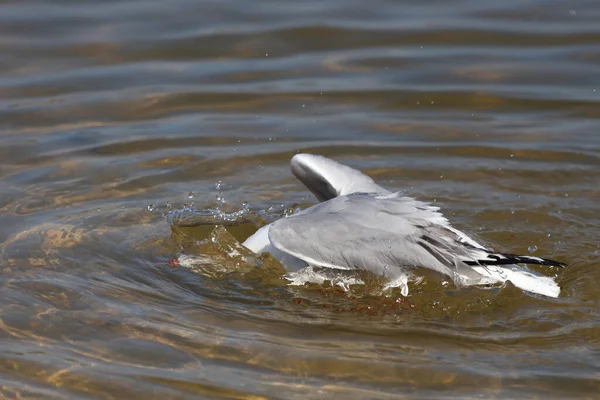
{"points": [[505, 259]]}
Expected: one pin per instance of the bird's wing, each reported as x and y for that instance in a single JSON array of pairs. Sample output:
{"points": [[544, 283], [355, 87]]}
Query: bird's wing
{"points": [[379, 233], [390, 234]]}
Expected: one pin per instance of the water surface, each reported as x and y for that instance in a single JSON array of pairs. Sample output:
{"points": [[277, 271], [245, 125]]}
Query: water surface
{"points": [[489, 109]]}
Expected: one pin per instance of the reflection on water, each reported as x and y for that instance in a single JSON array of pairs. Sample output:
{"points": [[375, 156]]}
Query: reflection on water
{"points": [[490, 110]]}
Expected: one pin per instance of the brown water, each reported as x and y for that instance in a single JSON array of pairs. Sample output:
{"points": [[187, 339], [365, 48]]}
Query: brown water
{"points": [[490, 109]]}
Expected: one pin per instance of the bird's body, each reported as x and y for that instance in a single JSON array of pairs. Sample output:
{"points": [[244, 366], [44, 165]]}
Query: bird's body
{"points": [[360, 225]]}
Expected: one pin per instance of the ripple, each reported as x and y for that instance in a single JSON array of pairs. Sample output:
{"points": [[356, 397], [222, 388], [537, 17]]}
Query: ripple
{"points": [[487, 110]]}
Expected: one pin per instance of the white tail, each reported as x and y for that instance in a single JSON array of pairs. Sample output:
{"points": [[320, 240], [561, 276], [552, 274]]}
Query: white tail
{"points": [[520, 277]]}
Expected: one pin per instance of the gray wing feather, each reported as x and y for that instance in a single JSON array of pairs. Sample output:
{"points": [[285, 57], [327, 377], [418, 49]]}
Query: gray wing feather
{"points": [[365, 231]]}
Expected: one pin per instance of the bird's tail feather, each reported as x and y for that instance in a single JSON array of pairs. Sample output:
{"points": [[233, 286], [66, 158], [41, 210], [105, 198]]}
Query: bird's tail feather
{"points": [[476, 265], [500, 267], [520, 277]]}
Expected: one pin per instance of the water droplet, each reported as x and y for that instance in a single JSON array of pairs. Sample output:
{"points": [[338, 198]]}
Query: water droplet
{"points": [[151, 207], [512, 211], [532, 249], [549, 235]]}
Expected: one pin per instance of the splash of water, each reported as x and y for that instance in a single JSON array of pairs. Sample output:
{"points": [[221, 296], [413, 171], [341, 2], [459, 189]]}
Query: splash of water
{"points": [[189, 215]]}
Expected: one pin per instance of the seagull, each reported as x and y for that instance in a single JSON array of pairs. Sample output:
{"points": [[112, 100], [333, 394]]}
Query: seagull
{"points": [[360, 225]]}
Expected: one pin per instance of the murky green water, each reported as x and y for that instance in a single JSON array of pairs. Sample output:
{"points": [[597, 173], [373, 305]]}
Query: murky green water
{"points": [[490, 109]]}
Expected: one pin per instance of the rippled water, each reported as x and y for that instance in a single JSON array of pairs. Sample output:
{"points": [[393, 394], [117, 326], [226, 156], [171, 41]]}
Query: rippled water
{"points": [[489, 109]]}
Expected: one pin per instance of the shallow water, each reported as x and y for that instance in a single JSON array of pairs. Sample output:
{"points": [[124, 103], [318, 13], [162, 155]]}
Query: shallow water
{"points": [[491, 110]]}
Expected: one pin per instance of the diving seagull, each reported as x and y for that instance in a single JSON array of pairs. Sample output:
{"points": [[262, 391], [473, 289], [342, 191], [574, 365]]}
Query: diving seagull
{"points": [[360, 225]]}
